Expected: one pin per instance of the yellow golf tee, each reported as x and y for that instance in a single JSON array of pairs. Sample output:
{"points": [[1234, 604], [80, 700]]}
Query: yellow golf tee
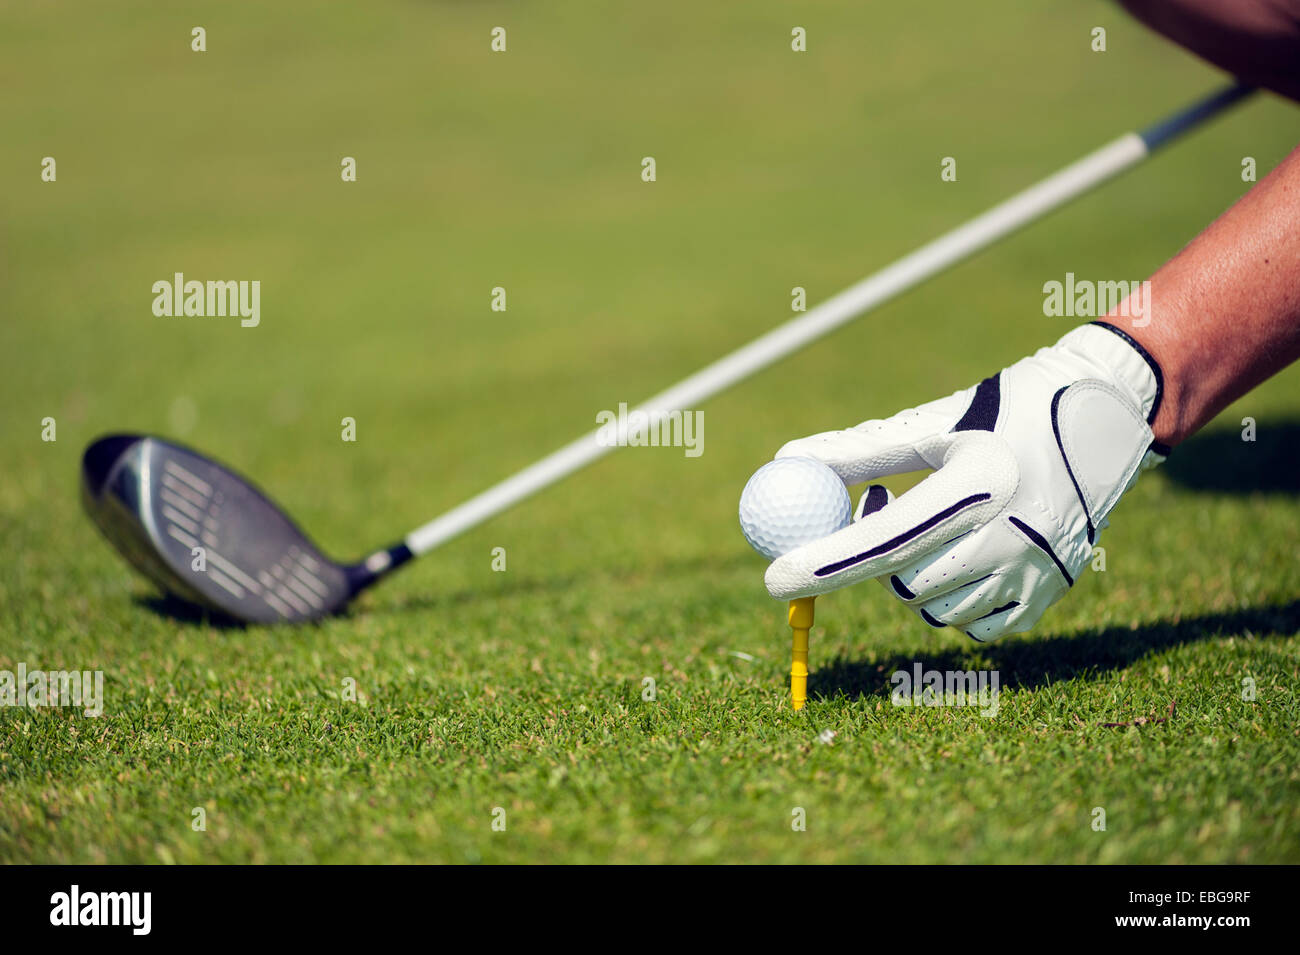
{"points": [[801, 621]]}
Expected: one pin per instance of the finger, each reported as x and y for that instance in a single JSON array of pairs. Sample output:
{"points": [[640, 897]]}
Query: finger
{"points": [[990, 595], [975, 575], [877, 448], [976, 477], [959, 562], [1005, 620]]}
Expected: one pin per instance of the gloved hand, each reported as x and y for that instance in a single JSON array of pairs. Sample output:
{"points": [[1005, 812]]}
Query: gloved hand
{"points": [[1029, 463]]}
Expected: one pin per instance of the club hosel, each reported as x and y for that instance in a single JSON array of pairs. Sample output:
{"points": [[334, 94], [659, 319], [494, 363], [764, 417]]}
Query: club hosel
{"points": [[377, 565]]}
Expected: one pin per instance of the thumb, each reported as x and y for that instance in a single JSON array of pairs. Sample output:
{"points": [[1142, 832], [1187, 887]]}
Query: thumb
{"points": [[976, 477]]}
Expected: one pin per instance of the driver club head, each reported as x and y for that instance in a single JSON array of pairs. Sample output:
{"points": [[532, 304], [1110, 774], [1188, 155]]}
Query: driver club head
{"points": [[206, 535]]}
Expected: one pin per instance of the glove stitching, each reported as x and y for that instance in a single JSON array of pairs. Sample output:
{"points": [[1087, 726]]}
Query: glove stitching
{"points": [[1103, 507], [1151, 363], [1038, 540], [1065, 459], [906, 537]]}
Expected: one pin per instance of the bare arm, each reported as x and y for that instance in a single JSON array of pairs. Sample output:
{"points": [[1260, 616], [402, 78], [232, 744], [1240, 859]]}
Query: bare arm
{"points": [[1225, 311]]}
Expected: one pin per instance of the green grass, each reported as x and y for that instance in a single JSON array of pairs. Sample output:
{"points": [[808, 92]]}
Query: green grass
{"points": [[523, 690]]}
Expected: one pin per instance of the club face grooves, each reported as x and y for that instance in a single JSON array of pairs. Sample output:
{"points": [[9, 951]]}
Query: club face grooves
{"points": [[206, 535]]}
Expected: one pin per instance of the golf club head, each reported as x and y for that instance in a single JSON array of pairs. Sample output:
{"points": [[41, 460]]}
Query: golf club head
{"points": [[170, 510]]}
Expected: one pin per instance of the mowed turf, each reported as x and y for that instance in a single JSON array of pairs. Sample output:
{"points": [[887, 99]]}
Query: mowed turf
{"points": [[524, 690]]}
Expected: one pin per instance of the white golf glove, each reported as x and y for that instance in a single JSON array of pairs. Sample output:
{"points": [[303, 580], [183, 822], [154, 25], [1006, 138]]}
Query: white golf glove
{"points": [[1028, 464]]}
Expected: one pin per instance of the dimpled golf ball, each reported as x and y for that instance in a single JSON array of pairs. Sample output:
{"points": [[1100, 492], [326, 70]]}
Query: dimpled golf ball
{"points": [[790, 502]]}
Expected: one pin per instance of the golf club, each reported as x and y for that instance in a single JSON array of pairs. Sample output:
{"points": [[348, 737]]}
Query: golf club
{"points": [[208, 536]]}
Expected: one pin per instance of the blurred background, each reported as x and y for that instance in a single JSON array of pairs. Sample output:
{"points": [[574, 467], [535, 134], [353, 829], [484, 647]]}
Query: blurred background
{"points": [[522, 170]]}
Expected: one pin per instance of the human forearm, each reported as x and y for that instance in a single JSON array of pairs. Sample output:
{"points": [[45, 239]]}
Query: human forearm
{"points": [[1225, 312]]}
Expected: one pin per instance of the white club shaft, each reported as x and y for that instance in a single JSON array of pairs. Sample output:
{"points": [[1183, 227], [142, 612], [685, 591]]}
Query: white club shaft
{"points": [[907, 272]]}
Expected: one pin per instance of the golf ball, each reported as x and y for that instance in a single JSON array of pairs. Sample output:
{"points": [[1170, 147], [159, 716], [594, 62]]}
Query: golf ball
{"points": [[790, 502]]}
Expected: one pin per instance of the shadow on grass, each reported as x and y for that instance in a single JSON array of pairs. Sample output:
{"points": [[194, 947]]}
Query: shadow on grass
{"points": [[1026, 662], [1219, 461], [183, 612]]}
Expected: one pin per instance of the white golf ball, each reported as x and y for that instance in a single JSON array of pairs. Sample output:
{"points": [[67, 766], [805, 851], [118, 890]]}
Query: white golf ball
{"points": [[790, 502]]}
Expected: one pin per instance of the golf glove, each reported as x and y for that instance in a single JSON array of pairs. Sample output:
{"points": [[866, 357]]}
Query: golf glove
{"points": [[1027, 466]]}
